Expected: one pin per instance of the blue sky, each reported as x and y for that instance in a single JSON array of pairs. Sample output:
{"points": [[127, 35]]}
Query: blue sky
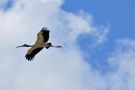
{"points": [[98, 45], [119, 14], [7, 5]]}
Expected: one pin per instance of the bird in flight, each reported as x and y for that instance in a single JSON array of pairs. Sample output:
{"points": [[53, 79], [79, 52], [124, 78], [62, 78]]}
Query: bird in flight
{"points": [[41, 42]]}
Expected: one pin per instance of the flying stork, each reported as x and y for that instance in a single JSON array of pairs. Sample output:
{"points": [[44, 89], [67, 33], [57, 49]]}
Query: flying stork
{"points": [[41, 42]]}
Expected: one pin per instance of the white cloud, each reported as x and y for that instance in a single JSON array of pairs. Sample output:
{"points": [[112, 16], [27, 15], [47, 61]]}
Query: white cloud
{"points": [[83, 23], [123, 60], [57, 69]]}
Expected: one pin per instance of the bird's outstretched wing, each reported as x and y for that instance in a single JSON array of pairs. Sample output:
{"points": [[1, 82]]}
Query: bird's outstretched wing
{"points": [[32, 52], [43, 36]]}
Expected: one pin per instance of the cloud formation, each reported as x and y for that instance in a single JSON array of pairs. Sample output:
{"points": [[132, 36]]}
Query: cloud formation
{"points": [[58, 69]]}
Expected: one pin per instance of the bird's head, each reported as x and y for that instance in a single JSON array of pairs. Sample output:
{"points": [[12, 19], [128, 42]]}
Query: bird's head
{"points": [[24, 45]]}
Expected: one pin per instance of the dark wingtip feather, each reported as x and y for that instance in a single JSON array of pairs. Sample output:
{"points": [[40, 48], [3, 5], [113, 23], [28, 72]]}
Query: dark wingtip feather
{"points": [[45, 34], [29, 57], [45, 29]]}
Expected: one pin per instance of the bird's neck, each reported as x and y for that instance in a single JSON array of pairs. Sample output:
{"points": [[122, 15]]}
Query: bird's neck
{"points": [[26, 45]]}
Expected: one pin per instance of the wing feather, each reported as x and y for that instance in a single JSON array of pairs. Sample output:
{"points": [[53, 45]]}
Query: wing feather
{"points": [[45, 35], [42, 36], [32, 52]]}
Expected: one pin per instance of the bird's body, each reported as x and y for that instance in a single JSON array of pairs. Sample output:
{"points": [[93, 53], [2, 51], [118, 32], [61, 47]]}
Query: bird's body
{"points": [[42, 38]]}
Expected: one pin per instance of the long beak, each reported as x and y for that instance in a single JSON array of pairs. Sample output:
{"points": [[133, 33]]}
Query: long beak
{"points": [[19, 46]]}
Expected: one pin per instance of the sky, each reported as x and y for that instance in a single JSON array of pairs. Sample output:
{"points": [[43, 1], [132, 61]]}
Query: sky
{"points": [[97, 37]]}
